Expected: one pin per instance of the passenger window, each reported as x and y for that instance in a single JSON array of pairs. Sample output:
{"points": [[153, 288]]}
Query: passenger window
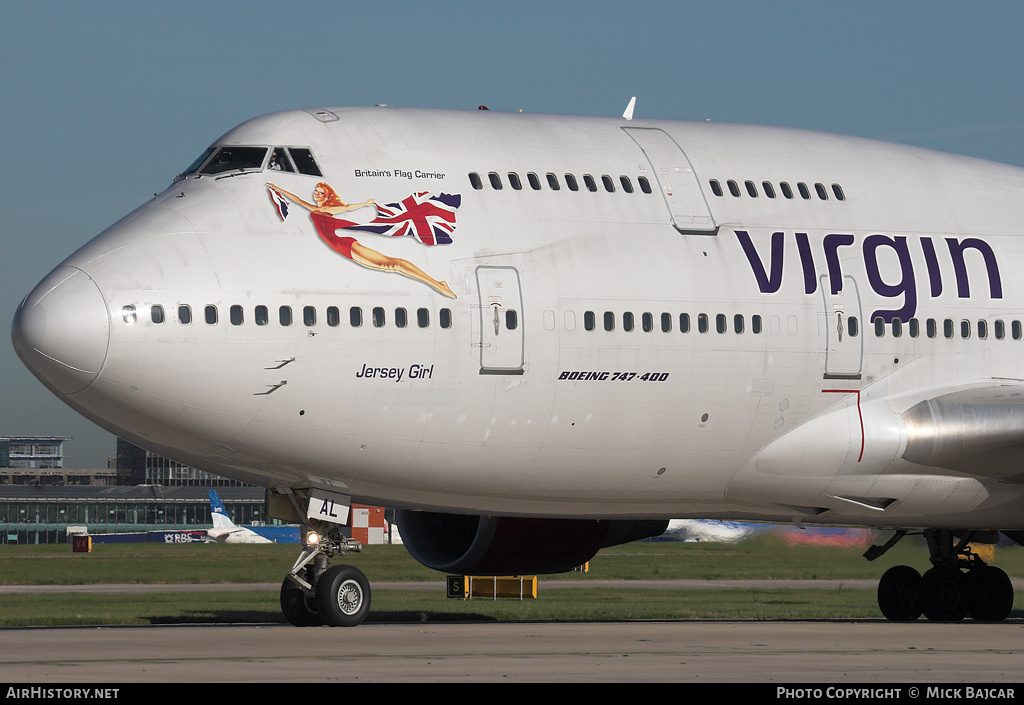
{"points": [[838, 191], [534, 181], [495, 181], [1015, 330], [751, 189], [965, 329], [128, 314], [879, 327], [947, 328], [666, 323], [401, 317], [716, 188], [262, 316], [609, 321], [445, 315], [378, 317], [897, 328], [755, 325], [786, 190], [930, 328], [474, 181], [684, 323], [235, 314], [915, 327], [737, 323], [422, 317], [304, 161], [589, 182], [852, 326], [720, 323], [804, 192], [211, 314], [627, 185], [279, 161], [589, 320], [609, 185], [511, 319], [769, 191], [333, 316], [570, 181], [156, 313], [702, 322], [983, 329], [627, 321], [1000, 329], [647, 322], [513, 180], [355, 317], [645, 185], [734, 188], [822, 193], [308, 316], [284, 315], [552, 182]]}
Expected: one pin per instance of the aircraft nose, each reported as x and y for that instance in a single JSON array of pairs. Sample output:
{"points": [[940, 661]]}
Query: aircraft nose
{"points": [[61, 330]]}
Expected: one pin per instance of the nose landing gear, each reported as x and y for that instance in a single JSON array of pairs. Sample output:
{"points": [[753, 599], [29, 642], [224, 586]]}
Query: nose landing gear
{"points": [[314, 594]]}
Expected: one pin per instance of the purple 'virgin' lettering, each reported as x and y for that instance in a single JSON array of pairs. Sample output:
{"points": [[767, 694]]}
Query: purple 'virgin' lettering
{"points": [[832, 243], [767, 283], [934, 274], [907, 286], [807, 262], [963, 285]]}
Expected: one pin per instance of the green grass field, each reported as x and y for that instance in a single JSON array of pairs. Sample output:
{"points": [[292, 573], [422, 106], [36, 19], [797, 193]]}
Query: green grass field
{"points": [[762, 558]]}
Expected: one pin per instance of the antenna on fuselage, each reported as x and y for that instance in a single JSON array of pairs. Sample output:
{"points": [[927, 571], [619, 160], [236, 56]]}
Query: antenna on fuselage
{"points": [[629, 109]]}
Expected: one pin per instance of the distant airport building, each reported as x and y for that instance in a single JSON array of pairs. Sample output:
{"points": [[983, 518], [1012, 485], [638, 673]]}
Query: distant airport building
{"points": [[137, 466], [37, 515], [39, 460]]}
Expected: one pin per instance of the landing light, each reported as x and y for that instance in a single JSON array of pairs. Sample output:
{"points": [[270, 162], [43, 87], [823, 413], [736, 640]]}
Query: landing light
{"points": [[312, 538]]}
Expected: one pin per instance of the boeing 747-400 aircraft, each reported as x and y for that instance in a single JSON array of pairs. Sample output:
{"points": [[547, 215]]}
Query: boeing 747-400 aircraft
{"points": [[537, 336]]}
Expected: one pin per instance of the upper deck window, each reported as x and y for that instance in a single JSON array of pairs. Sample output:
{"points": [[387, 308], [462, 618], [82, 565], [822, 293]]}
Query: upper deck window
{"points": [[235, 159]]}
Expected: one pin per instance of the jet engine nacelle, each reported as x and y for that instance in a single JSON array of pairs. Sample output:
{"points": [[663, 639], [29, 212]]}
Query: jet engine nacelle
{"points": [[488, 545]]}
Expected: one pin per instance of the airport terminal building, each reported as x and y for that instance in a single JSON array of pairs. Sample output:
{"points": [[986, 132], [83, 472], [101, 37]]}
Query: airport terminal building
{"points": [[40, 499]]}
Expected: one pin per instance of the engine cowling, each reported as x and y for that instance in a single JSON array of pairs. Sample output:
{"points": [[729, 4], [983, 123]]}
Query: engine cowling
{"points": [[486, 545]]}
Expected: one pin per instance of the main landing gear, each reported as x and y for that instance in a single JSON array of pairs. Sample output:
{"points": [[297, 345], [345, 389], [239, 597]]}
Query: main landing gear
{"points": [[958, 585], [314, 594]]}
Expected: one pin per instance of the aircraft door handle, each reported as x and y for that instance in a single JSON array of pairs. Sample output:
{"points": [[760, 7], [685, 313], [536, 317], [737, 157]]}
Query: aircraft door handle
{"points": [[839, 325], [497, 320]]}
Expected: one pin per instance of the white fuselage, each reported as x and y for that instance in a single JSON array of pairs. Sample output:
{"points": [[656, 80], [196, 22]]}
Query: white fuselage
{"points": [[772, 405]]}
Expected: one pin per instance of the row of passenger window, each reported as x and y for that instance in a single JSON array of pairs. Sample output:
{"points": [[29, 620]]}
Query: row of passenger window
{"points": [[555, 184], [285, 317], [769, 190], [967, 328], [628, 322]]}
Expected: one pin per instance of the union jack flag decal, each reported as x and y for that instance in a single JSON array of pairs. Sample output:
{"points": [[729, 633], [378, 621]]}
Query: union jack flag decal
{"points": [[430, 219]]}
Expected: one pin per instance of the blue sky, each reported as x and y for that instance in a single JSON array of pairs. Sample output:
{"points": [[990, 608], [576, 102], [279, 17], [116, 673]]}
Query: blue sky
{"points": [[103, 102]]}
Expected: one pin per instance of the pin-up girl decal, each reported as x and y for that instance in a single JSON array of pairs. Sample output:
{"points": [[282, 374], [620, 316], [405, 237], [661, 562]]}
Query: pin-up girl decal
{"points": [[328, 204]]}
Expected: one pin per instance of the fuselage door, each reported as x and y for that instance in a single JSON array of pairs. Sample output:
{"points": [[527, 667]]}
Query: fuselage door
{"points": [[844, 346], [687, 208], [502, 347]]}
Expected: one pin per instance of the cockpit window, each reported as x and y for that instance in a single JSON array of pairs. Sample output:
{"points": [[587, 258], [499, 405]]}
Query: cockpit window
{"points": [[235, 159], [279, 160], [304, 161], [197, 163]]}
